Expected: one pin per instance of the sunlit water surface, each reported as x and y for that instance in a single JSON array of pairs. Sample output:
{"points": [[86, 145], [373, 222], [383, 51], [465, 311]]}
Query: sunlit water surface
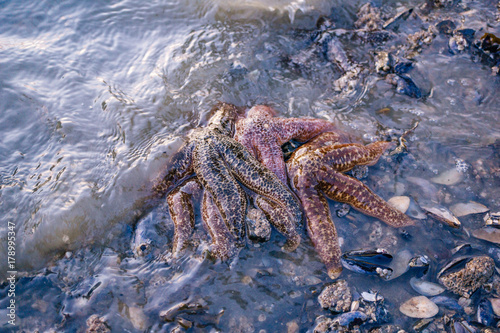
{"points": [[95, 97]]}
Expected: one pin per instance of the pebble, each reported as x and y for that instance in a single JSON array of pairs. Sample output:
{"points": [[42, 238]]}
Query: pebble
{"points": [[419, 307], [449, 177], [96, 324], [401, 203]]}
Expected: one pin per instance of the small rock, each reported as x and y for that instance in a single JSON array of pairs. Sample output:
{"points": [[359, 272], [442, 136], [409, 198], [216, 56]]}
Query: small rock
{"points": [[471, 207], [401, 203], [467, 280], [292, 327], [96, 324], [336, 297], [419, 307]]}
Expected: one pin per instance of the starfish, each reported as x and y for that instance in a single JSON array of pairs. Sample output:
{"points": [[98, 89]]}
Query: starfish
{"points": [[263, 134], [211, 159], [316, 172]]}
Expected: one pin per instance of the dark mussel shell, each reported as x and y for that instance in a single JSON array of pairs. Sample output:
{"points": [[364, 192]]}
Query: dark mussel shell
{"points": [[372, 262], [484, 312]]}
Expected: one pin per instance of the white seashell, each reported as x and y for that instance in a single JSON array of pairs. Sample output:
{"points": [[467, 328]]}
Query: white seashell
{"points": [[371, 297], [426, 288], [419, 307], [471, 207], [401, 203], [450, 177], [489, 234], [443, 215]]}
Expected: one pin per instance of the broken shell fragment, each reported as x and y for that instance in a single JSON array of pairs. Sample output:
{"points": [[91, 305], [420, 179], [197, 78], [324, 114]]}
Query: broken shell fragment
{"points": [[419, 307], [471, 207]]}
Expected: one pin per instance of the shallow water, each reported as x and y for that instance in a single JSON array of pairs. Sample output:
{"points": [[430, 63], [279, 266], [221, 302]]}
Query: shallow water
{"points": [[95, 97]]}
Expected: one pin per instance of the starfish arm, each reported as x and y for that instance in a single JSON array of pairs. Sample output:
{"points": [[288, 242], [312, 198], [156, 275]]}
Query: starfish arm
{"points": [[272, 157], [179, 167], [342, 188], [344, 156], [301, 129], [321, 229], [258, 178], [222, 240], [280, 219], [180, 205], [227, 194]]}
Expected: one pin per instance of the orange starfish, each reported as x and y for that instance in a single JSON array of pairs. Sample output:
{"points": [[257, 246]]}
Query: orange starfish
{"points": [[316, 171]]}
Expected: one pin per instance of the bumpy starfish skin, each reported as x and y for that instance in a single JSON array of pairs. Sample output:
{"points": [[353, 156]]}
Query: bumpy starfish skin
{"points": [[180, 205], [316, 170], [263, 134], [219, 162]]}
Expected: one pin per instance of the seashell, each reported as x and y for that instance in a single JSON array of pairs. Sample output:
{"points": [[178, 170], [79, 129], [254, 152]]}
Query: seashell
{"points": [[492, 219], [447, 302], [462, 248], [401, 203], [351, 318], [370, 262], [421, 324], [471, 207], [443, 215], [426, 288], [371, 297], [419, 307], [484, 314], [495, 305], [488, 233], [449, 177]]}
